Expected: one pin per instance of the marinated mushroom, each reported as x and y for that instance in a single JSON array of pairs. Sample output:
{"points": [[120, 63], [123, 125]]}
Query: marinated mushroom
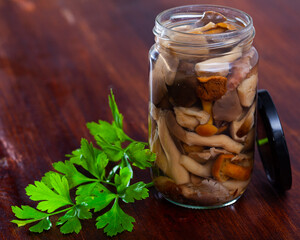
{"points": [[207, 107], [247, 90], [201, 30], [236, 187], [201, 170], [223, 169], [183, 91], [200, 157], [176, 171], [185, 120], [210, 16], [218, 66], [192, 148], [161, 159], [191, 138], [206, 130], [201, 116], [207, 192], [211, 88], [241, 68], [228, 107], [240, 128]]}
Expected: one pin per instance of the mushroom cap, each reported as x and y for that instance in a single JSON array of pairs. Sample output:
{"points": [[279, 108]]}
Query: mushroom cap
{"points": [[217, 169], [210, 16]]}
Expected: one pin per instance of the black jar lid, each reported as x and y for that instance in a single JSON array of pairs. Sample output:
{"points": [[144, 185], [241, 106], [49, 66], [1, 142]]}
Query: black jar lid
{"points": [[271, 143]]}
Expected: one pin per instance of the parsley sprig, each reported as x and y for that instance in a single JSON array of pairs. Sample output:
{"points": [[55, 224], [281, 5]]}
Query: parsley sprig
{"points": [[101, 178]]}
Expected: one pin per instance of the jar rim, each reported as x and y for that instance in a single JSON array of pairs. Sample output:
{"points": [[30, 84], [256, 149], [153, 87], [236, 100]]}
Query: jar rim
{"points": [[245, 33]]}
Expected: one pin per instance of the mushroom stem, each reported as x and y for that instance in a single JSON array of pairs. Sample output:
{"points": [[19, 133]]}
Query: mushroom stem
{"points": [[196, 168], [177, 172], [191, 138]]}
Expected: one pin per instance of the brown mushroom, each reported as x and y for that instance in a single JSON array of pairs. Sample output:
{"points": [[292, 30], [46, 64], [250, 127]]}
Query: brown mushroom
{"points": [[241, 68], [228, 107], [168, 187], [206, 130], [183, 91], [207, 192], [210, 16], [223, 169], [211, 88]]}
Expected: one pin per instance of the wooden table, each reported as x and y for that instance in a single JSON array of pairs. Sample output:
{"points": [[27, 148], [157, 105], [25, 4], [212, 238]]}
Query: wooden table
{"points": [[58, 60]]}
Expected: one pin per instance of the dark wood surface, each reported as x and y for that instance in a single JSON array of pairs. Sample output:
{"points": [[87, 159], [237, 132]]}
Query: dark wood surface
{"points": [[58, 60]]}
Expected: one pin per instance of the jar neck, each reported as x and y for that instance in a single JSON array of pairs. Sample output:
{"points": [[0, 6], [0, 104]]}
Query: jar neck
{"points": [[199, 44]]}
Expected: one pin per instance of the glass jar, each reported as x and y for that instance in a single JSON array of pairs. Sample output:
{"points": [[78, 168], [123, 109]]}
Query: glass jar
{"points": [[202, 110]]}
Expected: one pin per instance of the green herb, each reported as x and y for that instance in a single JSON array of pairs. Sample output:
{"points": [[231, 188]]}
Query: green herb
{"points": [[109, 167]]}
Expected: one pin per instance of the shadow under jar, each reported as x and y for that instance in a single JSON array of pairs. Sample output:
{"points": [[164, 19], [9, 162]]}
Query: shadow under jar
{"points": [[202, 110]]}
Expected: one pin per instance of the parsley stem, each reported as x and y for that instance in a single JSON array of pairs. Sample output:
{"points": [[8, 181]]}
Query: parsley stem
{"points": [[64, 210], [150, 184], [108, 183]]}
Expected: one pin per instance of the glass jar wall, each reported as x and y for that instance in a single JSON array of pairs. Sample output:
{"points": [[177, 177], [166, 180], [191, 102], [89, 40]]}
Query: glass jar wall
{"points": [[203, 87]]}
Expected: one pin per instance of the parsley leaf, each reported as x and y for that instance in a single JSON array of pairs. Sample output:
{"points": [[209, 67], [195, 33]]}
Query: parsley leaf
{"points": [[50, 199], [123, 180], [113, 151], [139, 156], [115, 221], [137, 191], [27, 212], [99, 177], [74, 177], [118, 117], [70, 221], [44, 224]]}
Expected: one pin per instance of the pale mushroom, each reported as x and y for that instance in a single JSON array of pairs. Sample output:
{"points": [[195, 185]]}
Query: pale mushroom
{"points": [[236, 187], [177, 41], [200, 30], [176, 171], [200, 157], [216, 151], [200, 115], [185, 120], [161, 160], [196, 168], [240, 128], [218, 66], [247, 90], [154, 111], [228, 107], [191, 138]]}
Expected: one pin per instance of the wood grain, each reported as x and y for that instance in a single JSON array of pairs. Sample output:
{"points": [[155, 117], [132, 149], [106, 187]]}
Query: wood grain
{"points": [[58, 60]]}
